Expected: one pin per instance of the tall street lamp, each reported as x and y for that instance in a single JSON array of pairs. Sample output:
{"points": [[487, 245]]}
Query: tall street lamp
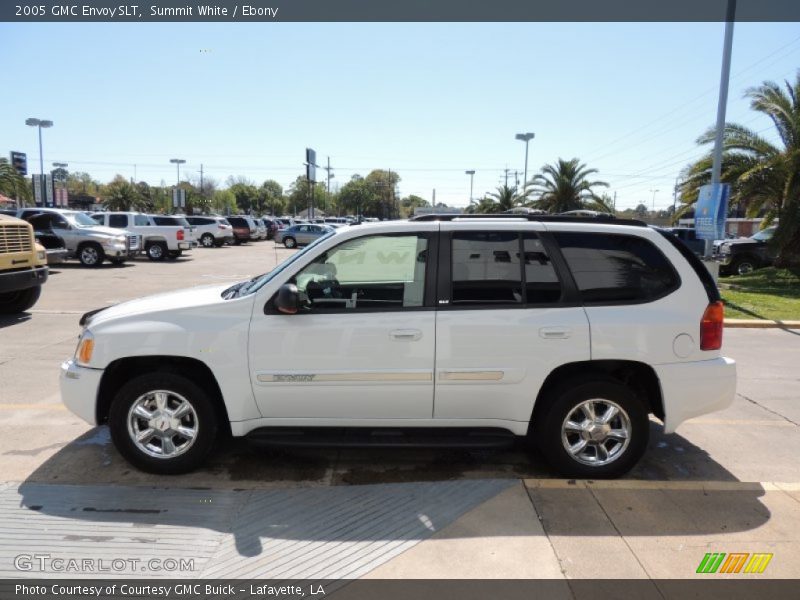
{"points": [[471, 174], [178, 162], [525, 137], [39, 123], [654, 199]]}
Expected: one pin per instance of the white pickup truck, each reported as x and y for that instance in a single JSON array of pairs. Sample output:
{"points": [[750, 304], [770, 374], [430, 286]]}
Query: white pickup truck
{"points": [[159, 240]]}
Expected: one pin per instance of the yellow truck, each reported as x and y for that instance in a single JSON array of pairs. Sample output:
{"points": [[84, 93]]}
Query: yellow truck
{"points": [[23, 266]]}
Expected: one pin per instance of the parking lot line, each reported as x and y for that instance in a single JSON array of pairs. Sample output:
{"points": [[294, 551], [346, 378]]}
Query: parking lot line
{"points": [[32, 406], [637, 484]]}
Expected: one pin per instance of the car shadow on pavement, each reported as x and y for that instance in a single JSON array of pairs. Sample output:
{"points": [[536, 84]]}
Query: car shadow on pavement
{"points": [[9, 320], [257, 494]]}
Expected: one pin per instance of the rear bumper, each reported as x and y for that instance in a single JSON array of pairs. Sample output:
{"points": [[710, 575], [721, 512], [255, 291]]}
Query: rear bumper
{"points": [[23, 279], [695, 388]]}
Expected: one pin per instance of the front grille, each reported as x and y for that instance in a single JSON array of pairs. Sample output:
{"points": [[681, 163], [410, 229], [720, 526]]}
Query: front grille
{"points": [[15, 238], [133, 242]]}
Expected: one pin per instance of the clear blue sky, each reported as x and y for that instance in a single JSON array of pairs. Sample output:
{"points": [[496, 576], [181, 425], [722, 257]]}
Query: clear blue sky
{"points": [[427, 100]]}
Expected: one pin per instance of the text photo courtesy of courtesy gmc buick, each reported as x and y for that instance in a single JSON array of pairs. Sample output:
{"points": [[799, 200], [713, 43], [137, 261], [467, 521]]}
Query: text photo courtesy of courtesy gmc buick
{"points": [[564, 332]]}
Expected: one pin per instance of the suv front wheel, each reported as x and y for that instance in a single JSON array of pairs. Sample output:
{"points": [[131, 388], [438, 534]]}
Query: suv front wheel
{"points": [[163, 423], [596, 429]]}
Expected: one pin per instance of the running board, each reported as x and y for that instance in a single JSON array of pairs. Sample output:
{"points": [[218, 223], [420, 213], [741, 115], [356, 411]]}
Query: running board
{"points": [[388, 437]]}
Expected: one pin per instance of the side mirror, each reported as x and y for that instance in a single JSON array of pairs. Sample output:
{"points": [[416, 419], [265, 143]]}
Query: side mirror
{"points": [[288, 299]]}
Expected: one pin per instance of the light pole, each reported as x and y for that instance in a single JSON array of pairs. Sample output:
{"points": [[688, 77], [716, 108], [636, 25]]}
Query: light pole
{"points": [[178, 162], [471, 174], [654, 199], [33, 122], [525, 137]]}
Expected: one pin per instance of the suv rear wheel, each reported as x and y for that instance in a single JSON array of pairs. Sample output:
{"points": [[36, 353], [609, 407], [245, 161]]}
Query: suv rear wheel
{"points": [[592, 430], [743, 265], [163, 423], [207, 240]]}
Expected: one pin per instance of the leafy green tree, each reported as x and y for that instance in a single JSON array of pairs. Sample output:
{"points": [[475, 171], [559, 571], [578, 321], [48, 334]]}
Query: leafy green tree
{"points": [[12, 184], [640, 211], [565, 186], [224, 202], [764, 176], [299, 192], [246, 193], [271, 197], [384, 184], [81, 183], [120, 194], [409, 203], [357, 197]]}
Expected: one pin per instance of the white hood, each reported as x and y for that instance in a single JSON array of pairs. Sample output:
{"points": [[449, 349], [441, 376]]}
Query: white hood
{"points": [[159, 303]]}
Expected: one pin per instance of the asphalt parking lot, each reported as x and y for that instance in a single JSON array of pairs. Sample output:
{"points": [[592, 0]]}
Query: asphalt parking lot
{"points": [[726, 482]]}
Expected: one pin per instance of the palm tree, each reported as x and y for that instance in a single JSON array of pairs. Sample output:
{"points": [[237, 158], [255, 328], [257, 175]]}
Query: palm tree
{"points": [[12, 184], [122, 195], [764, 177], [505, 198], [565, 186]]}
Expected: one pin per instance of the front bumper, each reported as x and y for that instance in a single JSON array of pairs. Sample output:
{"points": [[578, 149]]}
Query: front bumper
{"points": [[695, 388], [79, 387], [56, 256], [22, 279]]}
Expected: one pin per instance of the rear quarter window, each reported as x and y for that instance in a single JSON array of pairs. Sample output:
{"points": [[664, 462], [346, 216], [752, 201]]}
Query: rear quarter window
{"points": [[617, 269]]}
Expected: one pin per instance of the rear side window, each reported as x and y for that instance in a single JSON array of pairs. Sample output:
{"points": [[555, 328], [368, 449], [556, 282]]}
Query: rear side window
{"points": [[118, 221], [237, 221], [611, 268], [164, 221], [502, 268]]}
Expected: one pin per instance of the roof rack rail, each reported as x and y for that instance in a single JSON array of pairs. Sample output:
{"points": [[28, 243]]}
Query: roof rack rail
{"points": [[601, 218]]}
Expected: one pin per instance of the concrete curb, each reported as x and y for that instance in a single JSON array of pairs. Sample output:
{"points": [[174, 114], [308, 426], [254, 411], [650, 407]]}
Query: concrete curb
{"points": [[761, 324]]}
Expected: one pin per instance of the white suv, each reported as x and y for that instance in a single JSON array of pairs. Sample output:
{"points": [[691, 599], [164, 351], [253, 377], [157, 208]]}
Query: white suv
{"points": [[212, 230], [435, 331]]}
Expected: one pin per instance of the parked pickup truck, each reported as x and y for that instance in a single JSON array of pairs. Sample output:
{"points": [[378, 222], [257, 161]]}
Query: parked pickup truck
{"points": [[84, 238], [744, 255], [159, 241]]}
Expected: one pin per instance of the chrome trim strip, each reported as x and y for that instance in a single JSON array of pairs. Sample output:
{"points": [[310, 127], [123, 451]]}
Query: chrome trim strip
{"points": [[471, 375], [337, 377]]}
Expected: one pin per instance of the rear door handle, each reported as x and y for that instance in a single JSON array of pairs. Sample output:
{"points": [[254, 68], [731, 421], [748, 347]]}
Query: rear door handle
{"points": [[406, 334], [555, 333]]}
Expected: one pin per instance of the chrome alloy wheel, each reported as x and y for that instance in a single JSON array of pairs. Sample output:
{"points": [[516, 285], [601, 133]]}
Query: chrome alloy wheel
{"points": [[89, 255], [162, 424], [596, 432]]}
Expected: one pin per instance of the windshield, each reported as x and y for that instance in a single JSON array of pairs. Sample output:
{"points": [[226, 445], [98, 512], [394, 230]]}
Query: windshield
{"points": [[256, 283], [80, 220], [764, 235]]}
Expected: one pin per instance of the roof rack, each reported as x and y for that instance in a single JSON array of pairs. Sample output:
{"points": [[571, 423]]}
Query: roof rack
{"points": [[601, 218]]}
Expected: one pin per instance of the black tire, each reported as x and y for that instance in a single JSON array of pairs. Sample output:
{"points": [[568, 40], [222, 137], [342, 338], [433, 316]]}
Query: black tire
{"points": [[204, 420], [290, 242], [743, 265], [563, 402], [13, 303], [156, 251], [207, 240], [91, 255]]}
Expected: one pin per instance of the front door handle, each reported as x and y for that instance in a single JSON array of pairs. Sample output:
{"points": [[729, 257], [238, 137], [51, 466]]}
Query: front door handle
{"points": [[555, 333], [406, 334]]}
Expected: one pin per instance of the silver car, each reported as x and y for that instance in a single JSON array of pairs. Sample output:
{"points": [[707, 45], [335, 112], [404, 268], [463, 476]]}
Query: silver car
{"points": [[299, 235]]}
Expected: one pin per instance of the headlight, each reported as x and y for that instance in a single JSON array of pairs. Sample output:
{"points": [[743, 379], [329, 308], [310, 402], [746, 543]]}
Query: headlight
{"points": [[85, 349], [725, 249], [41, 255]]}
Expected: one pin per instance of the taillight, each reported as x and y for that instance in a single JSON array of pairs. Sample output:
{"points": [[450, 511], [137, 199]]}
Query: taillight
{"points": [[711, 326], [180, 235]]}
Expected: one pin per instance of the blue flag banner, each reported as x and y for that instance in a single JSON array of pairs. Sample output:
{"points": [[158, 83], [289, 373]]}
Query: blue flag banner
{"points": [[711, 211]]}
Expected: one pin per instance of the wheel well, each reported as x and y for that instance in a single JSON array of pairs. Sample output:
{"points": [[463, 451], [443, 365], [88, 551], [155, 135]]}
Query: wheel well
{"points": [[123, 370], [637, 376], [747, 256]]}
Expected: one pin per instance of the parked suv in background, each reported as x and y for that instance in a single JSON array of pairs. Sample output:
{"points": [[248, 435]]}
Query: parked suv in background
{"points": [[159, 239], [567, 332], [212, 230], [244, 228], [744, 255]]}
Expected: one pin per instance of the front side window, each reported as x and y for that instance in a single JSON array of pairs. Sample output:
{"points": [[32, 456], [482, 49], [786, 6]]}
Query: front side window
{"points": [[612, 268], [140, 221], [374, 272]]}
